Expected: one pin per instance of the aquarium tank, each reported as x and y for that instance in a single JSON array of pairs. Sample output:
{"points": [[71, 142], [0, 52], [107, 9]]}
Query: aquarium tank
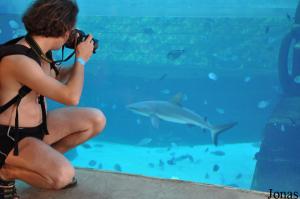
{"points": [[196, 90]]}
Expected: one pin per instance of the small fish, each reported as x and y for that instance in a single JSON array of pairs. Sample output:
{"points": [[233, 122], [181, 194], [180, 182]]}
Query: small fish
{"points": [[185, 97], [138, 121], [282, 128], [99, 145], [13, 24], [206, 150], [263, 104], [92, 163], [165, 91], [183, 157], [18, 32], [218, 153], [86, 145], [175, 54], [192, 125], [103, 105], [288, 16], [172, 154], [148, 31], [278, 90], [114, 107], [213, 76], [271, 40], [233, 185], [190, 158], [238, 176], [220, 110], [206, 176], [297, 46], [117, 167], [145, 141], [163, 76], [247, 79], [173, 144], [172, 161], [161, 164], [267, 29], [256, 156], [297, 78], [151, 165], [234, 58], [216, 168]]}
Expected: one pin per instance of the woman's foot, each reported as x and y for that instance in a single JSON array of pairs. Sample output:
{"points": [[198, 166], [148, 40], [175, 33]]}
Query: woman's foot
{"points": [[8, 189], [72, 184]]}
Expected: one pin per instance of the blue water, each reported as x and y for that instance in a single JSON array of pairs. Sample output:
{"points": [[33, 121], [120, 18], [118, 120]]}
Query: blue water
{"points": [[225, 66]]}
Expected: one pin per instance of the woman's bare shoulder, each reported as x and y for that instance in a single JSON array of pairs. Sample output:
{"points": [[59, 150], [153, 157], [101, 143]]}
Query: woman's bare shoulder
{"points": [[16, 59]]}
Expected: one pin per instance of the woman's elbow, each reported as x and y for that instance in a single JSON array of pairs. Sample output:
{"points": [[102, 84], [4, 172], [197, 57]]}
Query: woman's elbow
{"points": [[73, 101], [69, 98]]}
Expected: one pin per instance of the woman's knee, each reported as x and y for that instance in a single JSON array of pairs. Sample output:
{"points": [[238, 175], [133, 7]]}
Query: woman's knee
{"points": [[98, 121], [63, 176]]}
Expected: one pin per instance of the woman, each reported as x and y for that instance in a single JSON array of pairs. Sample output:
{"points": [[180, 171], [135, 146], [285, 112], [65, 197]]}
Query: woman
{"points": [[32, 142]]}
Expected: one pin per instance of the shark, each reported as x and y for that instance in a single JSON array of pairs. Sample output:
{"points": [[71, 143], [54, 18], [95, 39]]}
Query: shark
{"points": [[173, 111]]}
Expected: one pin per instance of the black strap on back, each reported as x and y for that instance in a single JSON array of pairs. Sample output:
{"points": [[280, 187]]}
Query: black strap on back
{"points": [[38, 51], [52, 64], [11, 48], [24, 90]]}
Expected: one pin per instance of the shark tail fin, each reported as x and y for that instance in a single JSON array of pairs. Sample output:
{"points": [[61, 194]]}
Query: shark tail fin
{"points": [[217, 130]]}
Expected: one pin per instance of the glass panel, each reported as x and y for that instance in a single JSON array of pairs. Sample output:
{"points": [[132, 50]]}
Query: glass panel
{"points": [[175, 77]]}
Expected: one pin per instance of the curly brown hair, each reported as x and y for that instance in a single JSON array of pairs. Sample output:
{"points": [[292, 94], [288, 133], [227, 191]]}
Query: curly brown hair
{"points": [[50, 18]]}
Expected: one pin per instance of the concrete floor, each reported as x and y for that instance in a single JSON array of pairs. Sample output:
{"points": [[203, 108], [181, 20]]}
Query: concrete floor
{"points": [[106, 185]]}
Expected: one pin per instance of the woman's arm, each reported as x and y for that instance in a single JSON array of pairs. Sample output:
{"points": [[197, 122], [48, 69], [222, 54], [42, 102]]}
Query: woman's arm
{"points": [[27, 72], [65, 74]]}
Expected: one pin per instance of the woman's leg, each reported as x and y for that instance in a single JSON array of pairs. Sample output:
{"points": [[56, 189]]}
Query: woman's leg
{"points": [[42, 166], [39, 165], [71, 126]]}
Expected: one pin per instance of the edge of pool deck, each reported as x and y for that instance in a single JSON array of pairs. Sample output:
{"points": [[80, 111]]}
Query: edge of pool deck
{"points": [[111, 185]]}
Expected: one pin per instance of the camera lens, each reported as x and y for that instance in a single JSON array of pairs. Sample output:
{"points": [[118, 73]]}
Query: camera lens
{"points": [[77, 36], [71, 42], [95, 45]]}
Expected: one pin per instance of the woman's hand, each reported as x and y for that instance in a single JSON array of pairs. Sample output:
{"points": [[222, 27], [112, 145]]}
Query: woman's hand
{"points": [[85, 48]]}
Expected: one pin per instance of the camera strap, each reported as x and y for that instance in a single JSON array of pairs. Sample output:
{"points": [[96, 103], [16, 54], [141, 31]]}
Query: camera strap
{"points": [[37, 50], [62, 55]]}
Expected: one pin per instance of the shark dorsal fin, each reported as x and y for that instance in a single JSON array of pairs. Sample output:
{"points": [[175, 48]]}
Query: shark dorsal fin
{"points": [[177, 99]]}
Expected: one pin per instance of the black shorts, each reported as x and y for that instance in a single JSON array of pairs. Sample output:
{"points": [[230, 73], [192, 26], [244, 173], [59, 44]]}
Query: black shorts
{"points": [[7, 138]]}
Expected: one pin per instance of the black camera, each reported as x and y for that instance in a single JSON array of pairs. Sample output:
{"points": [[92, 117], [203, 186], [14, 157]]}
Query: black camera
{"points": [[77, 36]]}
